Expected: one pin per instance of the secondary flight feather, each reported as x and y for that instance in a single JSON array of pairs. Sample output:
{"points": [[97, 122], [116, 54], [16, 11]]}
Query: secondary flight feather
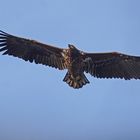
{"points": [[100, 65]]}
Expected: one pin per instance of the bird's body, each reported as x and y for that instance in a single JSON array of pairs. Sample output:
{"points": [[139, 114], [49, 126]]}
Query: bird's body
{"points": [[75, 76], [100, 65]]}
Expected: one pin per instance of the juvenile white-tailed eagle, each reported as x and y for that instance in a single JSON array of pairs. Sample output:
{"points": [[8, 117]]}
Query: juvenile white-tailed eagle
{"points": [[100, 65]]}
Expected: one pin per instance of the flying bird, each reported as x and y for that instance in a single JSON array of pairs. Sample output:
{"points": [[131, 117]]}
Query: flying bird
{"points": [[77, 62]]}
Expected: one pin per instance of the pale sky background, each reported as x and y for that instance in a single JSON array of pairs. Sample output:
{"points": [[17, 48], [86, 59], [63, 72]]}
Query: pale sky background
{"points": [[35, 104]]}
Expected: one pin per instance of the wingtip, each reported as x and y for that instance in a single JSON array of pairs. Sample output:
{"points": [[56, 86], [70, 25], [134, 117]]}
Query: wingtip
{"points": [[3, 33]]}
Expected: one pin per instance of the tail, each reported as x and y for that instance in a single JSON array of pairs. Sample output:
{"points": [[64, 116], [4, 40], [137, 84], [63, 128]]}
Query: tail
{"points": [[76, 82]]}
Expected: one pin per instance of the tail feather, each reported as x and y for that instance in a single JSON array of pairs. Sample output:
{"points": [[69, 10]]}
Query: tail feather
{"points": [[75, 82]]}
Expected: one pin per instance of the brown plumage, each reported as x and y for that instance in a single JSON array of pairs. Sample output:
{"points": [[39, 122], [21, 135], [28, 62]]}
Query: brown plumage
{"points": [[100, 65]]}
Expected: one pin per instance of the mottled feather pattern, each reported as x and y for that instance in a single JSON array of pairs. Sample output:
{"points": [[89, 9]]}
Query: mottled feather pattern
{"points": [[99, 65], [31, 50], [114, 65]]}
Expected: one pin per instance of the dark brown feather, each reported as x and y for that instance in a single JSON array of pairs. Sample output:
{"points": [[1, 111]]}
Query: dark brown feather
{"points": [[100, 65], [31, 50], [112, 65]]}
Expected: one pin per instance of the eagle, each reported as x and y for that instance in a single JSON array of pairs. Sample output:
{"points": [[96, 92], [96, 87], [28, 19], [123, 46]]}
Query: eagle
{"points": [[77, 62]]}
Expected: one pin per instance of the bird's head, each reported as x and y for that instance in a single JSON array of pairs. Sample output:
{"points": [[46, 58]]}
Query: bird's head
{"points": [[72, 47]]}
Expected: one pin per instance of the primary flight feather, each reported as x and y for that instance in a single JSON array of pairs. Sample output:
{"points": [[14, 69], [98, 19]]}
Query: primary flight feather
{"points": [[100, 65]]}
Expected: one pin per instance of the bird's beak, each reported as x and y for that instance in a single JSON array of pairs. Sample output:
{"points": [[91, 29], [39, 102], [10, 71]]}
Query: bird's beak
{"points": [[70, 46]]}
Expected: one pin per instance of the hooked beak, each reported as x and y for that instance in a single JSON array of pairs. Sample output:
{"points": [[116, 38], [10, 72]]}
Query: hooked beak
{"points": [[71, 46]]}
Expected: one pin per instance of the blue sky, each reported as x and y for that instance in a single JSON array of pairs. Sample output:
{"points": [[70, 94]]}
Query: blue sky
{"points": [[35, 104]]}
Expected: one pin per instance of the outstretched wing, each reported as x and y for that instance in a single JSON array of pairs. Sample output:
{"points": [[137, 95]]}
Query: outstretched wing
{"points": [[112, 65], [31, 51]]}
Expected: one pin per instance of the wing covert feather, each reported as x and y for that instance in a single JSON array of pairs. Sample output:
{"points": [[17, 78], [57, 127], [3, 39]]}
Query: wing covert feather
{"points": [[112, 65], [32, 51]]}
